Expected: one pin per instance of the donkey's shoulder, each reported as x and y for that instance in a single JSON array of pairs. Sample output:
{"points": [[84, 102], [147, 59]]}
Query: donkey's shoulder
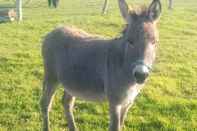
{"points": [[73, 31]]}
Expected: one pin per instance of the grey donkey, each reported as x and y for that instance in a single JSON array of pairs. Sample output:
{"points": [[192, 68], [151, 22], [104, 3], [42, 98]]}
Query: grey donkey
{"points": [[97, 69]]}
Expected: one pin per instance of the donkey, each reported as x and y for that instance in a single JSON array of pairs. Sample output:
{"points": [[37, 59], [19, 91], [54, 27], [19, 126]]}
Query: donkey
{"points": [[98, 69]]}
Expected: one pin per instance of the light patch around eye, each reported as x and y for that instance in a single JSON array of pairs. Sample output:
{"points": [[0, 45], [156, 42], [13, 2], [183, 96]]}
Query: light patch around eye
{"points": [[148, 26], [151, 32]]}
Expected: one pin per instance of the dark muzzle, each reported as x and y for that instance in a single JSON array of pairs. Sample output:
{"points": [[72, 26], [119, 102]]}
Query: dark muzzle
{"points": [[141, 72], [140, 77]]}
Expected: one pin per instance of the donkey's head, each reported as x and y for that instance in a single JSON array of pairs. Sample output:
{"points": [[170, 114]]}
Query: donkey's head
{"points": [[142, 36]]}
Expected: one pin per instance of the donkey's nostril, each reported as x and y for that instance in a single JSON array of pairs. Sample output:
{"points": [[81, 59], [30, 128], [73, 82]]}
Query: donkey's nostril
{"points": [[140, 76]]}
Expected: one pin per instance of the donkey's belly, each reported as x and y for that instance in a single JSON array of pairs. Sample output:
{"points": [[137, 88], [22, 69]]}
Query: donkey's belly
{"points": [[84, 83], [88, 95]]}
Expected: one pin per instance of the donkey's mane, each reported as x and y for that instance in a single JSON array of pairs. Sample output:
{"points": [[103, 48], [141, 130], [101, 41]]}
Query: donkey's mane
{"points": [[135, 11], [138, 10]]}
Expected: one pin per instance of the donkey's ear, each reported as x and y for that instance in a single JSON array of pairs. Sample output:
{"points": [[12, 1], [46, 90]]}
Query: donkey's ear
{"points": [[154, 10], [124, 9]]}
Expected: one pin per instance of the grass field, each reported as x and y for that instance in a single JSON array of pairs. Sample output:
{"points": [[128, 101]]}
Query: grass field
{"points": [[167, 103]]}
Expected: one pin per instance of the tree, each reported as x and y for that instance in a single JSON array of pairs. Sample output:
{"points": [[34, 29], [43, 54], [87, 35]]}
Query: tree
{"points": [[19, 10]]}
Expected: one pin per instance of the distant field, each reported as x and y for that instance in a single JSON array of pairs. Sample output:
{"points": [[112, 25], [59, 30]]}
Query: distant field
{"points": [[167, 103]]}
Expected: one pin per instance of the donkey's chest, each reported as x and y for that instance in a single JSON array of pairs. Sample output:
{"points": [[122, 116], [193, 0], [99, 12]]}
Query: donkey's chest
{"points": [[127, 96]]}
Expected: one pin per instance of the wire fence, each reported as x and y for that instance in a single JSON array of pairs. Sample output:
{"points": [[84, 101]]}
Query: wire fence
{"points": [[37, 7], [26, 3], [95, 4]]}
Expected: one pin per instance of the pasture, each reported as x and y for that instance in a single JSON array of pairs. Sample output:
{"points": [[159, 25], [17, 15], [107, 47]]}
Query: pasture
{"points": [[167, 103]]}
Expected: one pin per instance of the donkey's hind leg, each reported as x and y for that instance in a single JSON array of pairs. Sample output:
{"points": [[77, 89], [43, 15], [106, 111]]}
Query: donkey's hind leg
{"points": [[46, 100], [68, 103]]}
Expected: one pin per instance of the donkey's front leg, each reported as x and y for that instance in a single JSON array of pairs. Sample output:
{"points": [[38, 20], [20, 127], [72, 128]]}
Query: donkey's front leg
{"points": [[115, 116], [68, 103], [124, 110]]}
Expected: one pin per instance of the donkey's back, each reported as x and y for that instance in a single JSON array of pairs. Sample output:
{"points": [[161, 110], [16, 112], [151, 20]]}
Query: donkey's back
{"points": [[67, 37]]}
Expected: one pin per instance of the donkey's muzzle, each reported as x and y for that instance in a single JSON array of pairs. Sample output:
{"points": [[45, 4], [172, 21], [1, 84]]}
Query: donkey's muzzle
{"points": [[141, 72]]}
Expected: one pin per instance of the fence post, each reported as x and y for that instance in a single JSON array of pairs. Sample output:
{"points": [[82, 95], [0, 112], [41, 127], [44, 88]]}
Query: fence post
{"points": [[19, 10], [170, 4], [105, 7]]}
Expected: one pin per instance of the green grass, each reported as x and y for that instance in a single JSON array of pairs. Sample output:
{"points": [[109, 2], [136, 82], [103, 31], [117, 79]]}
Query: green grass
{"points": [[167, 103]]}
